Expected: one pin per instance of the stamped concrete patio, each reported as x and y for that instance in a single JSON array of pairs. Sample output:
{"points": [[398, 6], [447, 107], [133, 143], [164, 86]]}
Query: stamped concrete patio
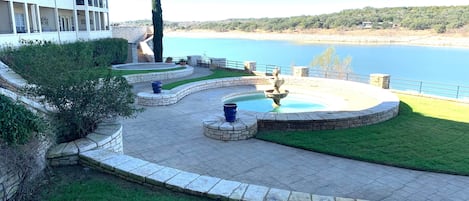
{"points": [[173, 136]]}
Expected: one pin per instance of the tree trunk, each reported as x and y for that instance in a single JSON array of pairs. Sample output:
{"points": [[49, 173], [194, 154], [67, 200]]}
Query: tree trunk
{"points": [[157, 17]]}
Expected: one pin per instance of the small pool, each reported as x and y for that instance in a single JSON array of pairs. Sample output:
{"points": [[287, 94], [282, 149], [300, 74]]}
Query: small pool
{"points": [[293, 103]]}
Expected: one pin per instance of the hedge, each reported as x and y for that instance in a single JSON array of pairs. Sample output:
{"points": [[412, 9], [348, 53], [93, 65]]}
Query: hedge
{"points": [[36, 61], [66, 78], [17, 124]]}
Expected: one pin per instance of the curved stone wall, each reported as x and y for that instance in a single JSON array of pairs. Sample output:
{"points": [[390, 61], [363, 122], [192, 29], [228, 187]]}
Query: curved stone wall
{"points": [[362, 104], [12, 177], [169, 97], [148, 77], [243, 128], [107, 136]]}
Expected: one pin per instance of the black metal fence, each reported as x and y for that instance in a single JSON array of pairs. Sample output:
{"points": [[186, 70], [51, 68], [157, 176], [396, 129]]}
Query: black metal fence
{"points": [[421, 87], [431, 88]]}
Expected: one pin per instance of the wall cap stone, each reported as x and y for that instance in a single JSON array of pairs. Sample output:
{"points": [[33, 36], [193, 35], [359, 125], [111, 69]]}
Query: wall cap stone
{"points": [[192, 183], [104, 134]]}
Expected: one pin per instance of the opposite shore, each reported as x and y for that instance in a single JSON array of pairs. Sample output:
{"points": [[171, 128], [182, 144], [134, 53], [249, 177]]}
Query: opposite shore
{"points": [[360, 37]]}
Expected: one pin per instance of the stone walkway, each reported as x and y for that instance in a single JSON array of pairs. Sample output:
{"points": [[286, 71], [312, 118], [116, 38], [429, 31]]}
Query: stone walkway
{"points": [[173, 136]]}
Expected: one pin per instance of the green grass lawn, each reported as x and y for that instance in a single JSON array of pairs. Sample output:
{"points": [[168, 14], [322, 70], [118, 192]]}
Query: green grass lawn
{"points": [[428, 134], [217, 73], [78, 183]]}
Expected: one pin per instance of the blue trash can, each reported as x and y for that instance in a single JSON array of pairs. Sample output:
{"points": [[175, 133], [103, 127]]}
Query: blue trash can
{"points": [[156, 85], [230, 111]]}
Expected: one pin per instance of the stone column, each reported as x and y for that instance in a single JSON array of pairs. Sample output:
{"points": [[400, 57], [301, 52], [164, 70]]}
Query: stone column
{"points": [[26, 16], [193, 59], [12, 15], [380, 80], [300, 71], [38, 18], [250, 66], [134, 52]]}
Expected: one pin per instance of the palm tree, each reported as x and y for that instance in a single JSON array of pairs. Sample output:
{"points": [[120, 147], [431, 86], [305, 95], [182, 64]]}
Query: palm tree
{"points": [[157, 17]]}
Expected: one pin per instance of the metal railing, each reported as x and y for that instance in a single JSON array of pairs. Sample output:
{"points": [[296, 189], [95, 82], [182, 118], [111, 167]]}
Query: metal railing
{"points": [[431, 88], [421, 87], [235, 64]]}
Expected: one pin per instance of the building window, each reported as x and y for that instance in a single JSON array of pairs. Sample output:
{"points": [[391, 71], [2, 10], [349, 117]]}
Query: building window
{"points": [[81, 2], [66, 23], [20, 23]]}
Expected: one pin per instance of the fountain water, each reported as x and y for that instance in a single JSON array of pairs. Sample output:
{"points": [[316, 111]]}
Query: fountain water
{"points": [[276, 94]]}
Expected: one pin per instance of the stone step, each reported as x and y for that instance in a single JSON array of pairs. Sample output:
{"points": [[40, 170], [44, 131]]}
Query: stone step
{"points": [[150, 174]]}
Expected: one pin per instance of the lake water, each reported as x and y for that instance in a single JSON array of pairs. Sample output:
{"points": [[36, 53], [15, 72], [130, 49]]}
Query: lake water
{"points": [[429, 64]]}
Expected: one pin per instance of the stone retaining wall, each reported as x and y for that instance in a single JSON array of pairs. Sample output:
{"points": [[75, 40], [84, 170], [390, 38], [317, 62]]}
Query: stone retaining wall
{"points": [[11, 177], [154, 175], [148, 77], [107, 136], [12, 78], [243, 128], [133, 34], [169, 97], [362, 104], [9, 181]]}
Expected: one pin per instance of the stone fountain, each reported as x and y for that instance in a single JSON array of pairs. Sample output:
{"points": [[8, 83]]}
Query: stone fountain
{"points": [[276, 94]]}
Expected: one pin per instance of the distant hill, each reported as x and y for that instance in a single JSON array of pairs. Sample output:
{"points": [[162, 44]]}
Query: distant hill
{"points": [[439, 18]]}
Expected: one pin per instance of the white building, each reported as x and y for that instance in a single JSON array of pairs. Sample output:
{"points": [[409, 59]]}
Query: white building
{"points": [[53, 20]]}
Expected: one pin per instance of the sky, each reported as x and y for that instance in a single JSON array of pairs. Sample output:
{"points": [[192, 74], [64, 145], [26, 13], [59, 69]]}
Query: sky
{"points": [[211, 10]]}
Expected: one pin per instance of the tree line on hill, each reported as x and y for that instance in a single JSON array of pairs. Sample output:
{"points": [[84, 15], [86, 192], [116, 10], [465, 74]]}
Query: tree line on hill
{"points": [[439, 18]]}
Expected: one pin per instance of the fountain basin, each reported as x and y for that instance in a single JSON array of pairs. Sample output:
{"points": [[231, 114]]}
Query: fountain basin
{"points": [[355, 104], [294, 103], [276, 96], [271, 94]]}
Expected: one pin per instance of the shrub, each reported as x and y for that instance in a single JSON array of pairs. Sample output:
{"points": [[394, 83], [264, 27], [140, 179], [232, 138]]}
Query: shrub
{"points": [[83, 101], [64, 77], [37, 60], [441, 28], [110, 51], [17, 124]]}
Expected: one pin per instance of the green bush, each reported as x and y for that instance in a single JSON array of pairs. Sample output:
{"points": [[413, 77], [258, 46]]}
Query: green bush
{"points": [[110, 51], [83, 101], [37, 60], [17, 124], [65, 76]]}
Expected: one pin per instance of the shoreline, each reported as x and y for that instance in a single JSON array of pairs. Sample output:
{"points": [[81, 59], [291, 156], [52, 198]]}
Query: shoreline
{"points": [[361, 37]]}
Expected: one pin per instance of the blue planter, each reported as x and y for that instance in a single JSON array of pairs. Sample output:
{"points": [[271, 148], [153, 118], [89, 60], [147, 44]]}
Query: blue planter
{"points": [[230, 111], [156, 85]]}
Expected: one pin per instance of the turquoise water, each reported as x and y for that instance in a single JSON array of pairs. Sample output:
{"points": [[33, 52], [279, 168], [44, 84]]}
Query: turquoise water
{"points": [[290, 104], [433, 64]]}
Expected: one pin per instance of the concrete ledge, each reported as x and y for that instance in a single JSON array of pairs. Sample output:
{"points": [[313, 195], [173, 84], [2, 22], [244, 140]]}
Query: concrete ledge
{"points": [[243, 128], [148, 77], [108, 136], [354, 104], [11, 77], [151, 174], [169, 97]]}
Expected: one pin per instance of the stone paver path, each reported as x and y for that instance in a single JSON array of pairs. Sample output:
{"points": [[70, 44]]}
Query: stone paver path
{"points": [[173, 136]]}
